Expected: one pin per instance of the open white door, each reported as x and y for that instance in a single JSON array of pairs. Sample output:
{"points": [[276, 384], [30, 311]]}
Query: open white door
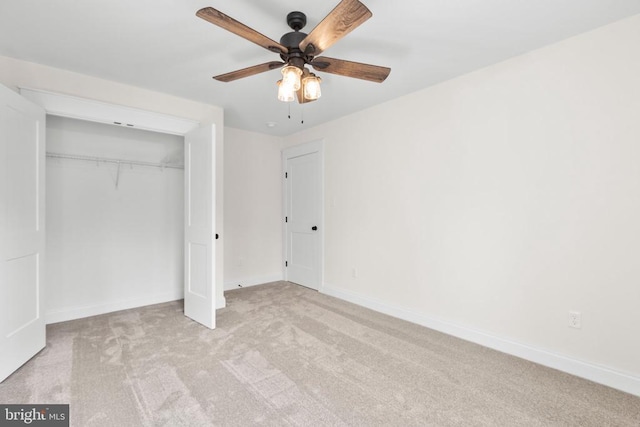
{"points": [[199, 247], [22, 158]]}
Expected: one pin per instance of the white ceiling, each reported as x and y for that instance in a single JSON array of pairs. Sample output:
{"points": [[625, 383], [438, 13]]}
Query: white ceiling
{"points": [[161, 45]]}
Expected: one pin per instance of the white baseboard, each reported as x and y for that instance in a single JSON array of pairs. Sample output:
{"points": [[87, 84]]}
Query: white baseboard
{"points": [[251, 281], [94, 310], [596, 373]]}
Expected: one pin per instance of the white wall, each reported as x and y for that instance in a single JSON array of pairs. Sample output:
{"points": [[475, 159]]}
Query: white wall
{"points": [[491, 205], [16, 73], [111, 248], [253, 208]]}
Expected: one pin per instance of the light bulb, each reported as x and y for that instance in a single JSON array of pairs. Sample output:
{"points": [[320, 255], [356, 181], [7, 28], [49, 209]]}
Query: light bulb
{"points": [[285, 93], [311, 86], [291, 76]]}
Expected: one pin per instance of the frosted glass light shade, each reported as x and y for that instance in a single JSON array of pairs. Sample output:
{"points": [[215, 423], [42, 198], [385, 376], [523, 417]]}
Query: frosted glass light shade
{"points": [[291, 76], [285, 93], [311, 85]]}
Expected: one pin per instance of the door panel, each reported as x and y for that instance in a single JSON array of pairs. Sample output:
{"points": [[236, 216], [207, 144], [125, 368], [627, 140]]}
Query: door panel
{"points": [[302, 173], [22, 311], [22, 156], [302, 250], [303, 204], [198, 275], [199, 287]]}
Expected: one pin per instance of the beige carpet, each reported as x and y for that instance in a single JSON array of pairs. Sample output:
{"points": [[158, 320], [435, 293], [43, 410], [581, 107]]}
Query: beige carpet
{"points": [[285, 355]]}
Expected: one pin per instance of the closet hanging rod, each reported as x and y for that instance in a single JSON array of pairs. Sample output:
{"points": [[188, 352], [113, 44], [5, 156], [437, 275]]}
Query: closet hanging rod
{"points": [[116, 161]]}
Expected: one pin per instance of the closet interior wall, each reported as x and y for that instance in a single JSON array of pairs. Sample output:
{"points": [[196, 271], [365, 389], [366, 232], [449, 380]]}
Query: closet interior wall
{"points": [[115, 231]]}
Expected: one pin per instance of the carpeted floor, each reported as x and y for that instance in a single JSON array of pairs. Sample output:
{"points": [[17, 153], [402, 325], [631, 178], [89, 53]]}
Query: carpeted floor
{"points": [[286, 355]]}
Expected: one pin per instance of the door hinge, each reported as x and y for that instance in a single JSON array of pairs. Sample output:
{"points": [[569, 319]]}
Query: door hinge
{"points": [[286, 263], [286, 174], [286, 219]]}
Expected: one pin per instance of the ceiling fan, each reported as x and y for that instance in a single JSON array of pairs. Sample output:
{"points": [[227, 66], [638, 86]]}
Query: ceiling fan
{"points": [[297, 49]]}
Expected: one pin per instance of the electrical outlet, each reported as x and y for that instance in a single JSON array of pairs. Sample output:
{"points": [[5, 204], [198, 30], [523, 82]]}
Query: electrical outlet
{"points": [[575, 319]]}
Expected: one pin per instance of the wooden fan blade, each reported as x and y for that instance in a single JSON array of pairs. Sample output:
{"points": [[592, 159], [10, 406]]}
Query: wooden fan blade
{"points": [[346, 17], [218, 18], [249, 71], [373, 73]]}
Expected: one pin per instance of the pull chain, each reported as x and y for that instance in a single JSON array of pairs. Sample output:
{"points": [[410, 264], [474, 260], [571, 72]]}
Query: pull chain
{"points": [[301, 112]]}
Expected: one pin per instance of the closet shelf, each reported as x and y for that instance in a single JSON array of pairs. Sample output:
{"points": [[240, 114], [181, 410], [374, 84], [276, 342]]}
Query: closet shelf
{"points": [[115, 161]]}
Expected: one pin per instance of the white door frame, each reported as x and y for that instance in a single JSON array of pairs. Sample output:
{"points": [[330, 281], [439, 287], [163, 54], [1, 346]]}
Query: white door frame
{"points": [[295, 151]]}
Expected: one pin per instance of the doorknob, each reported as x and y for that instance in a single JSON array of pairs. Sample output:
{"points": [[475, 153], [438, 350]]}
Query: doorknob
{"points": [[314, 228]]}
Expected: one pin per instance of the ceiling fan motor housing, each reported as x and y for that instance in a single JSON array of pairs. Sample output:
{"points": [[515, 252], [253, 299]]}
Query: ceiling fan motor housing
{"points": [[291, 40]]}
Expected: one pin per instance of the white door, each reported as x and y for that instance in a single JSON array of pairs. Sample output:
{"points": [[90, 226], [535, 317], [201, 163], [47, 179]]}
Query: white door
{"points": [[303, 214], [199, 265], [22, 158]]}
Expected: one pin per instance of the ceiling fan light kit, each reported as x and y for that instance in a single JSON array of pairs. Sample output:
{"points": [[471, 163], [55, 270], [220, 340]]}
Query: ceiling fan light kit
{"points": [[298, 49], [311, 85], [291, 76], [286, 93]]}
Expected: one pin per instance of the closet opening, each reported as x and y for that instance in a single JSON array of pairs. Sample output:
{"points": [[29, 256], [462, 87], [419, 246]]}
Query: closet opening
{"points": [[114, 218]]}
